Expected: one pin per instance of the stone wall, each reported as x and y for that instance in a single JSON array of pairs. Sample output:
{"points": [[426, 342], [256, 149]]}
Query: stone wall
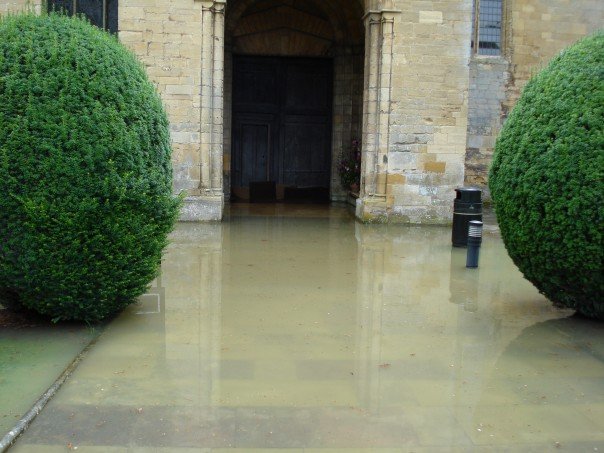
{"points": [[428, 116], [347, 111], [18, 5], [489, 78], [176, 41], [534, 32], [540, 29], [427, 110], [166, 36]]}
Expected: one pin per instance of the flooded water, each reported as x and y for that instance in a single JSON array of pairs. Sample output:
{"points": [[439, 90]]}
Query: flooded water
{"points": [[296, 329], [30, 360]]}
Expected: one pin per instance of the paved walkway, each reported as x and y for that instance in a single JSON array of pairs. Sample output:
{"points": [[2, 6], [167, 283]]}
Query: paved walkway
{"points": [[32, 356]]}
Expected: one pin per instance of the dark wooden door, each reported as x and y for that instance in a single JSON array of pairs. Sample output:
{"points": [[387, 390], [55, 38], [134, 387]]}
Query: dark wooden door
{"points": [[282, 121]]}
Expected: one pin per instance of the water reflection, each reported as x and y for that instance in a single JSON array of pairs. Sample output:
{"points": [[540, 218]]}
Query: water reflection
{"points": [[309, 331]]}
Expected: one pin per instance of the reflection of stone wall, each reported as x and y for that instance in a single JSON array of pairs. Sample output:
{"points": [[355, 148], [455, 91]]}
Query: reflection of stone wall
{"points": [[404, 314], [430, 330], [192, 278]]}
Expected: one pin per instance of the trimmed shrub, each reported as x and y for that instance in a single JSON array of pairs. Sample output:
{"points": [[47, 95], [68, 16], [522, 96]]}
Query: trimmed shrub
{"points": [[85, 173], [547, 179]]}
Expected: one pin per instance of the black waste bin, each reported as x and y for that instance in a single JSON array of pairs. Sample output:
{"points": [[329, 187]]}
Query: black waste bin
{"points": [[467, 206]]}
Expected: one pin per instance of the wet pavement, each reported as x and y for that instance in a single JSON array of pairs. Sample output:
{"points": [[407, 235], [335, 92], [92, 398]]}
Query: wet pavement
{"points": [[32, 357], [296, 329]]}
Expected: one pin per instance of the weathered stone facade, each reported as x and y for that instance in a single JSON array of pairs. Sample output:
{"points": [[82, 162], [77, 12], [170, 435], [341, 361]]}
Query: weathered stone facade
{"points": [[534, 32], [17, 5], [180, 43], [406, 83], [489, 78], [420, 158]]}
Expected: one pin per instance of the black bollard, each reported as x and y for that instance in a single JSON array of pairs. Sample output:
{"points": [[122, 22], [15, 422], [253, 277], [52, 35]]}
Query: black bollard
{"points": [[474, 241]]}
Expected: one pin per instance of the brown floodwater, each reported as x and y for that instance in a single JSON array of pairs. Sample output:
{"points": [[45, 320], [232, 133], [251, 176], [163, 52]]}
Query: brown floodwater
{"points": [[294, 328]]}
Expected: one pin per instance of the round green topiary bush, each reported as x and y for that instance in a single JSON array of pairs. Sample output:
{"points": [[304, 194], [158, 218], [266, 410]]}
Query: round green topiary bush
{"points": [[547, 179], [85, 173]]}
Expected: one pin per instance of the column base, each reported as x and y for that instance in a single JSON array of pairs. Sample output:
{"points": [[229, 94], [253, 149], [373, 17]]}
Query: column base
{"points": [[202, 209], [370, 210]]}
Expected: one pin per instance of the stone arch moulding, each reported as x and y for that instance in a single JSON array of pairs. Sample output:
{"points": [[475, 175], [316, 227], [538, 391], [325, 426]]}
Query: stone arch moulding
{"points": [[335, 14], [207, 201]]}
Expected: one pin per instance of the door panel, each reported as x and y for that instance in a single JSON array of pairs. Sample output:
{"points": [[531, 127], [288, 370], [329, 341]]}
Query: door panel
{"points": [[282, 121], [255, 151], [255, 85], [252, 151], [308, 87], [306, 151]]}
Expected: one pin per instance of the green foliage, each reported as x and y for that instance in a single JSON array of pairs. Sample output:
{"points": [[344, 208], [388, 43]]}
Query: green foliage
{"points": [[85, 172], [349, 166], [547, 179]]}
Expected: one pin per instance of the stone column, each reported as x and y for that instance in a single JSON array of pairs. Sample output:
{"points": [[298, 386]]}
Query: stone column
{"points": [[370, 96], [216, 170], [384, 99], [379, 39], [212, 102], [208, 201], [207, 74]]}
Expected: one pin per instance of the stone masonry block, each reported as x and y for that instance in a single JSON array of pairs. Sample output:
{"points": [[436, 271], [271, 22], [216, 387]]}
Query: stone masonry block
{"points": [[435, 167]]}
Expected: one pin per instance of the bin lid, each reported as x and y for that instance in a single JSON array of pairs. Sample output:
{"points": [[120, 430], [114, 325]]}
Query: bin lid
{"points": [[469, 194]]}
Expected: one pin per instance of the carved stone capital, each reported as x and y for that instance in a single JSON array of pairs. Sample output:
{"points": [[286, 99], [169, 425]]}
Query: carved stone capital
{"points": [[381, 15], [219, 6], [216, 6]]}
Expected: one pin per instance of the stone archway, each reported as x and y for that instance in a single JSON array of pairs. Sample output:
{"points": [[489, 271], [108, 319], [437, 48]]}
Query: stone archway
{"points": [[359, 38], [332, 30]]}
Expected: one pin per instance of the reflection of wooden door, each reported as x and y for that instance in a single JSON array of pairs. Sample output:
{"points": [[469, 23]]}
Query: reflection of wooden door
{"points": [[282, 121]]}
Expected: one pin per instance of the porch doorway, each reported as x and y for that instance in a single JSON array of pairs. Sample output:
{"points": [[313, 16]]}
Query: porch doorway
{"points": [[282, 128]]}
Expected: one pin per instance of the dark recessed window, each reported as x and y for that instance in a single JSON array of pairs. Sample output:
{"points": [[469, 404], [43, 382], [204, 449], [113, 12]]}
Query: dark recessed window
{"points": [[487, 19], [102, 13]]}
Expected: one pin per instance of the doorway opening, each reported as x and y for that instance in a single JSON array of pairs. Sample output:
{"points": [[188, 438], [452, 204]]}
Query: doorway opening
{"points": [[293, 97], [281, 148]]}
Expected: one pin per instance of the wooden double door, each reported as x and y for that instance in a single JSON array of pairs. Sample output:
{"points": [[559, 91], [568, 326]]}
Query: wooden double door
{"points": [[282, 121]]}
